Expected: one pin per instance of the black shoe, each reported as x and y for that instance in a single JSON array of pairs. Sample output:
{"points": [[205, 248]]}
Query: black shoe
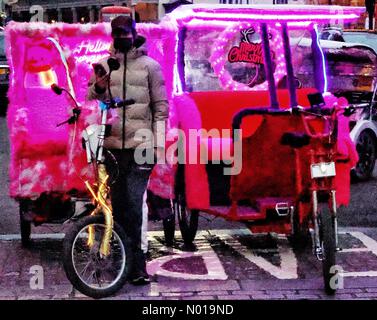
{"points": [[147, 256], [140, 279]]}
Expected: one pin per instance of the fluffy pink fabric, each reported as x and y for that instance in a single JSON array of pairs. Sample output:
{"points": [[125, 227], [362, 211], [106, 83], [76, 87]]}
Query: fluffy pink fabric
{"points": [[184, 115], [196, 180], [347, 150], [43, 157]]}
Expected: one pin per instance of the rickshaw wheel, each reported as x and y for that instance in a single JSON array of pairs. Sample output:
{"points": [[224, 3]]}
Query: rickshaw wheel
{"points": [[327, 239], [109, 274], [25, 226], [169, 230], [366, 148], [188, 219]]}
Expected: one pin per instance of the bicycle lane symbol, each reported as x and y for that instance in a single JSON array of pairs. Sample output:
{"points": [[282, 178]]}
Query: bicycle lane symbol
{"points": [[288, 268], [213, 265]]}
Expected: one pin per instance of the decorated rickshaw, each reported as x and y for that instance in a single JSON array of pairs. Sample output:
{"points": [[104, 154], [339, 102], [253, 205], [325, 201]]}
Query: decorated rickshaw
{"points": [[245, 141]]}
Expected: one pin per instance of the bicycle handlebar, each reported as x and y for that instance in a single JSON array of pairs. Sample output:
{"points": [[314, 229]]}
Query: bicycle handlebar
{"points": [[326, 113], [237, 119], [351, 109], [111, 104], [120, 104], [72, 119], [314, 112]]}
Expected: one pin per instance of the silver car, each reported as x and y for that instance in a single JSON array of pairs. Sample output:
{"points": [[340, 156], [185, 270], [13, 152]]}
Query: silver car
{"points": [[352, 73], [364, 122]]}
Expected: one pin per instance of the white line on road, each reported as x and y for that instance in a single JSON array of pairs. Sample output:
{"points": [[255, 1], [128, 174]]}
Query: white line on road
{"points": [[370, 243], [57, 236], [36, 236], [286, 270], [360, 274], [354, 250]]}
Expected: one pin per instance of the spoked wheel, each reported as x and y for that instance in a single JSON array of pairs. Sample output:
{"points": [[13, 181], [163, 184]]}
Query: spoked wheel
{"points": [[188, 219], [366, 148], [89, 272], [25, 226], [328, 245], [169, 230]]}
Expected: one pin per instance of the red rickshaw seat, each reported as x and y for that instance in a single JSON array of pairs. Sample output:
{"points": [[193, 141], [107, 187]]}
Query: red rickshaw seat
{"points": [[217, 109], [268, 167]]}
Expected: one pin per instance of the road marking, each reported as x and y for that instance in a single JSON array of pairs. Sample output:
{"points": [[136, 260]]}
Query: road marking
{"points": [[288, 260], [360, 274], [354, 250], [36, 236], [368, 242], [58, 236], [370, 246], [286, 270], [215, 269]]}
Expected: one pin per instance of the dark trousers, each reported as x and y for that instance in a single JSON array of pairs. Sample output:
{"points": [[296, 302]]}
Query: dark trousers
{"points": [[127, 202]]}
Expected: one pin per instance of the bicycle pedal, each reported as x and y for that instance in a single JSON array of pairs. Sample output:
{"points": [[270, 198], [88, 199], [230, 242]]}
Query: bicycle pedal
{"points": [[283, 209]]}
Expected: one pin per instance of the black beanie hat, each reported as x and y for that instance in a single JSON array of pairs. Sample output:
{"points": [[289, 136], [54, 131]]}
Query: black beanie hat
{"points": [[123, 24]]}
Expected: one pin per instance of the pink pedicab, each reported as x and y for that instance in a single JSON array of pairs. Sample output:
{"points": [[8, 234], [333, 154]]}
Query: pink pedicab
{"points": [[222, 65]]}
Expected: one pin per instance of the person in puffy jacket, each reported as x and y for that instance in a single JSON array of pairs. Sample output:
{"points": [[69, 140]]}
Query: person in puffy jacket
{"points": [[139, 77]]}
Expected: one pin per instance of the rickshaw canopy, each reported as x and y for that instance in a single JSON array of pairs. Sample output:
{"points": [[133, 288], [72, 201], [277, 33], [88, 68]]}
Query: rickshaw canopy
{"points": [[264, 13], [40, 54]]}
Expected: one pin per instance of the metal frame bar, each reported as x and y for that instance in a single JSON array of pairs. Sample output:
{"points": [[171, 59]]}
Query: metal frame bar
{"points": [[268, 65], [289, 66], [318, 62]]}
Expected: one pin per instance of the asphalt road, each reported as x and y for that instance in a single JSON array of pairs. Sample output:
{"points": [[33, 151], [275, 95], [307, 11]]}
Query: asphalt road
{"points": [[8, 207]]}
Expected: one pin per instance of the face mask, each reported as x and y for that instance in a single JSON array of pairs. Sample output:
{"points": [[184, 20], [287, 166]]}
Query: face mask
{"points": [[123, 44]]}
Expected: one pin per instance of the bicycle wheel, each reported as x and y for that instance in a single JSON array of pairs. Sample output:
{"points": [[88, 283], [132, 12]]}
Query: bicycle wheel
{"points": [[25, 226], [327, 240], [169, 230], [188, 219], [89, 272]]}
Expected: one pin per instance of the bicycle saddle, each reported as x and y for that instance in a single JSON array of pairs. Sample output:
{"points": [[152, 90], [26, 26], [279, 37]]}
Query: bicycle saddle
{"points": [[295, 139]]}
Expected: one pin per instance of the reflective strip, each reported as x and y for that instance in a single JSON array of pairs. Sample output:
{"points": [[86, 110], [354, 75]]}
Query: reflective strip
{"points": [[144, 225]]}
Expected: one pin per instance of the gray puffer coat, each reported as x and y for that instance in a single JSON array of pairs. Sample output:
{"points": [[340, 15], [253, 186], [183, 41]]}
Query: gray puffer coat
{"points": [[145, 84]]}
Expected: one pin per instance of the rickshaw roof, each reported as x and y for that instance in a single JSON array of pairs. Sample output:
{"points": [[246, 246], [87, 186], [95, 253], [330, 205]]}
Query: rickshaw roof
{"points": [[116, 9], [265, 13]]}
